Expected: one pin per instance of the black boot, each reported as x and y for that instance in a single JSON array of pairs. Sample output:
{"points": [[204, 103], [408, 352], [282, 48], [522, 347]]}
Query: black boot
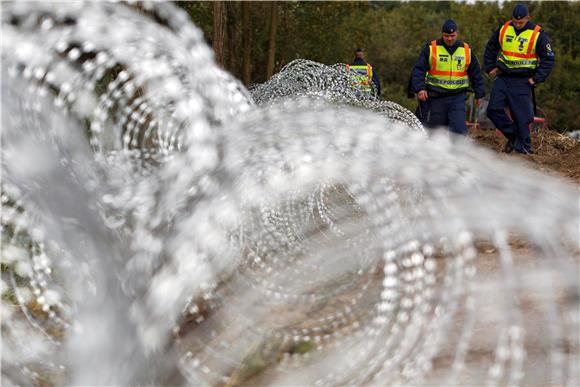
{"points": [[509, 146]]}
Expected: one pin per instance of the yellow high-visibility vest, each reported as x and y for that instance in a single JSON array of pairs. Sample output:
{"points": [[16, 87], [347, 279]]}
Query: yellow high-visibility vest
{"points": [[518, 51], [449, 71], [361, 76]]}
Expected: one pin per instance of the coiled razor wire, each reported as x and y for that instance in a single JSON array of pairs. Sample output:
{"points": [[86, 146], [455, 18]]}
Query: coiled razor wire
{"points": [[333, 84], [162, 225]]}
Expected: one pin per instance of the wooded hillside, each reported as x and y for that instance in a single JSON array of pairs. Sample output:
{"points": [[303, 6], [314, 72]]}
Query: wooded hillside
{"points": [[253, 40]]}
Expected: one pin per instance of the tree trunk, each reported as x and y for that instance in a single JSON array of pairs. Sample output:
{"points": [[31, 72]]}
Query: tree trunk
{"points": [[272, 45], [247, 44], [219, 31], [233, 46]]}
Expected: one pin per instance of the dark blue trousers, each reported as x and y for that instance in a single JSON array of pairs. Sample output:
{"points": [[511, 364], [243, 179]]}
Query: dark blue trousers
{"points": [[514, 94], [444, 111]]}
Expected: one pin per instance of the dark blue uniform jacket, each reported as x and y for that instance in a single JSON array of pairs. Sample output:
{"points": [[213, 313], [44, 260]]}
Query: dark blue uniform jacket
{"points": [[544, 50], [422, 66], [375, 79]]}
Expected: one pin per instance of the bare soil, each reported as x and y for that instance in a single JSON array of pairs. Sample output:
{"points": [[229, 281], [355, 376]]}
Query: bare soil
{"points": [[555, 153]]}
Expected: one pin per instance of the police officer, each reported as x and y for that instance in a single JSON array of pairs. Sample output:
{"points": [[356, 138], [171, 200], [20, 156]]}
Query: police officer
{"points": [[362, 74], [519, 56], [441, 77]]}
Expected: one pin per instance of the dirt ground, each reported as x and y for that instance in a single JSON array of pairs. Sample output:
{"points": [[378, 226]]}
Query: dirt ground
{"points": [[555, 153]]}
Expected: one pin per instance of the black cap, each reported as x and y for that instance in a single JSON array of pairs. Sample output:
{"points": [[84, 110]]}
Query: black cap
{"points": [[520, 11], [360, 50], [449, 27]]}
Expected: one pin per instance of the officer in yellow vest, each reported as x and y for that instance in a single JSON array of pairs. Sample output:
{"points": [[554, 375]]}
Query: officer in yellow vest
{"points": [[519, 56], [363, 77], [444, 71]]}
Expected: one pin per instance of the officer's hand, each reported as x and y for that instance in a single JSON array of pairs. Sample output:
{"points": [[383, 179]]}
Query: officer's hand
{"points": [[478, 101], [422, 95], [531, 81], [493, 73]]}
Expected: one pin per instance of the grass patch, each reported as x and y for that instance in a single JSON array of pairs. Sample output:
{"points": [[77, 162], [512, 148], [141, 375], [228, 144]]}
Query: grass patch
{"points": [[303, 347]]}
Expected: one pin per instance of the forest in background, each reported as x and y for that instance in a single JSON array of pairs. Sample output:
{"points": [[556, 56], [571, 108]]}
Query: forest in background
{"points": [[255, 39]]}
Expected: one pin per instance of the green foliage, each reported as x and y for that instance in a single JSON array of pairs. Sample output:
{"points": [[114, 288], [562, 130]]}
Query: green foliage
{"points": [[559, 96], [9, 296], [393, 33], [397, 92], [201, 13], [303, 347]]}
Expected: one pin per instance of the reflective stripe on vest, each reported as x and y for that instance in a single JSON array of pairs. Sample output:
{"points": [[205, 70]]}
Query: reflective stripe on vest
{"points": [[361, 76], [518, 51], [449, 71]]}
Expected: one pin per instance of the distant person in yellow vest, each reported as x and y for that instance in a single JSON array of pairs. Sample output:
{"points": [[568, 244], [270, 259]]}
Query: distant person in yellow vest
{"points": [[441, 77], [364, 78], [519, 56]]}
